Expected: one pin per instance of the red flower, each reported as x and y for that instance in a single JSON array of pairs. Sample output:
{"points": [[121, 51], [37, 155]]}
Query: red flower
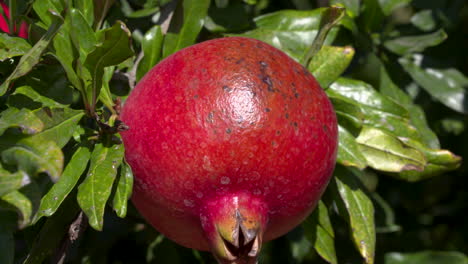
{"points": [[23, 29]]}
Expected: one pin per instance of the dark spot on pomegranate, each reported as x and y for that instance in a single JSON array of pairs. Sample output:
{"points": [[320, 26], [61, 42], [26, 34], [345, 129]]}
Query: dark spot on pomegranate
{"points": [[266, 79], [278, 132], [296, 95], [227, 88], [263, 64], [210, 117], [228, 130], [325, 128], [267, 109], [286, 116], [239, 61], [196, 96]]}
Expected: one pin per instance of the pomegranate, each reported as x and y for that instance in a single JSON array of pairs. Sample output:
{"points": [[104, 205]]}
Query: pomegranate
{"points": [[232, 144], [23, 30]]}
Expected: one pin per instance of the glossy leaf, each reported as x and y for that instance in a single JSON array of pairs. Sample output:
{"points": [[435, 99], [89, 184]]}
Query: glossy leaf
{"points": [[388, 153], [32, 57], [424, 20], [100, 11], [44, 9], [84, 39], [11, 181], [329, 63], [115, 47], [438, 162], [86, 7], [349, 153], [426, 257], [22, 204], [151, 45], [96, 188], [192, 14], [12, 46], [60, 190], [291, 31], [319, 232], [412, 44], [24, 119], [36, 97], [123, 190], [105, 96], [352, 6], [359, 212], [388, 6], [447, 85]]}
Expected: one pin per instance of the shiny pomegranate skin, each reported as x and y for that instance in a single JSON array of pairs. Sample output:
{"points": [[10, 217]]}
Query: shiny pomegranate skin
{"points": [[228, 120]]}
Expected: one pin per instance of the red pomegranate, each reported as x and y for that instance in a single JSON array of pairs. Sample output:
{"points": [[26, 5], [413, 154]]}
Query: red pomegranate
{"points": [[23, 30], [232, 144]]}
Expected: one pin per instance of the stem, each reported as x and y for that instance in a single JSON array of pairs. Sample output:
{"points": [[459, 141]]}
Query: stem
{"points": [[331, 16]]}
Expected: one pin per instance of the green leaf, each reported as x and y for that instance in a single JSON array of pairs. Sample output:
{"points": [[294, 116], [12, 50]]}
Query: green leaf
{"points": [[60, 190], [24, 119], [86, 7], [299, 245], [424, 20], [11, 181], [84, 39], [12, 46], [388, 6], [115, 48], [22, 204], [106, 96], [349, 153], [8, 222], [386, 152], [372, 16], [438, 162], [36, 97], [360, 102], [358, 211], [151, 45], [426, 257], [448, 85], [32, 57], [100, 11], [417, 116], [412, 44], [45, 8], [96, 188], [329, 63], [123, 190], [185, 25], [352, 6], [52, 233], [319, 232], [291, 31]]}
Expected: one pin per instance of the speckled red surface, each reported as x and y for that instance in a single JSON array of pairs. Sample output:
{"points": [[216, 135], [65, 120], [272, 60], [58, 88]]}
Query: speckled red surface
{"points": [[225, 117]]}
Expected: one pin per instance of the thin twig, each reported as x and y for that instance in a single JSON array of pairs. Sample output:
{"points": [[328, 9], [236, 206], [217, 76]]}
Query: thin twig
{"points": [[76, 229]]}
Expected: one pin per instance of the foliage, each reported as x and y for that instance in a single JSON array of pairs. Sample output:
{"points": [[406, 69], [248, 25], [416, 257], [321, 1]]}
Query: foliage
{"points": [[395, 71]]}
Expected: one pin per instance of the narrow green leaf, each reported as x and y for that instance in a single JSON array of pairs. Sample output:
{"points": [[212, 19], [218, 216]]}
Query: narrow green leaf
{"points": [[359, 212], [11, 181], [349, 153], [438, 162], [123, 191], [388, 6], [185, 25], [52, 232], [330, 63], [388, 153], [86, 7], [32, 57], [115, 47], [36, 97], [22, 204], [12, 46], [330, 17], [44, 9], [412, 44], [291, 31], [60, 190], [100, 11], [352, 6], [426, 257], [152, 47], [84, 39], [448, 85], [319, 232], [372, 16], [24, 119], [105, 96], [96, 188], [424, 20]]}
